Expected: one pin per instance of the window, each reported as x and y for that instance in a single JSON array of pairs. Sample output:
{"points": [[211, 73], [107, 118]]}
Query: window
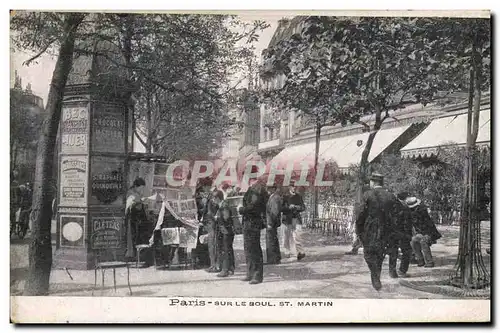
{"points": [[271, 134], [286, 131]]}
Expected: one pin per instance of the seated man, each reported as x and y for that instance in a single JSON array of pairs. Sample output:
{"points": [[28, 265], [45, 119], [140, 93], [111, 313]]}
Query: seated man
{"points": [[425, 232]]}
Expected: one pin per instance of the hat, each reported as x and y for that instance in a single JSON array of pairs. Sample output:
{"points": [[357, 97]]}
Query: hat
{"points": [[412, 202], [139, 182], [403, 195], [377, 177]]}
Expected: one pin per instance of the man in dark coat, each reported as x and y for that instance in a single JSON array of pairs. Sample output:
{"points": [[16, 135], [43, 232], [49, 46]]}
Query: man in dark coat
{"points": [[273, 220], [253, 211], [226, 230], [401, 237], [374, 224], [425, 232], [214, 237]]}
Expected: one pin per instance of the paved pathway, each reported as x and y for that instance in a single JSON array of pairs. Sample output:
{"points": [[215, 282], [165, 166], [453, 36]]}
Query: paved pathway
{"points": [[325, 272]]}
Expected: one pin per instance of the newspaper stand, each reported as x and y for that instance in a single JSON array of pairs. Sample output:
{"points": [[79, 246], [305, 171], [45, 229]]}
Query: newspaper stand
{"points": [[179, 201]]}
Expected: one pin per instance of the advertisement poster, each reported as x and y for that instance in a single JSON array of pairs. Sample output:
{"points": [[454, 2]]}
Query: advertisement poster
{"points": [[74, 130], [107, 232], [108, 129], [74, 171], [107, 181], [72, 230]]}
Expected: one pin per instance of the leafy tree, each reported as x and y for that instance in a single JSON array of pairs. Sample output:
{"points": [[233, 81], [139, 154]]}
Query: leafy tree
{"points": [[183, 66], [189, 54], [367, 65], [39, 31]]}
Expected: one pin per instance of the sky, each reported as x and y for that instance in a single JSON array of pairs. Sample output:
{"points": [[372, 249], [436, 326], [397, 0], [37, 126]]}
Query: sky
{"points": [[39, 74]]}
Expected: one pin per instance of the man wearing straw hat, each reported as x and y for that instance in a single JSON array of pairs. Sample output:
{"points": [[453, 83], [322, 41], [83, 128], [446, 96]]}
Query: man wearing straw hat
{"points": [[374, 225], [425, 232]]}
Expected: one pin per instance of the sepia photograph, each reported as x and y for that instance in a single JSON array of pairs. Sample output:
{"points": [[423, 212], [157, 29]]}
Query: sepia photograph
{"points": [[250, 166]]}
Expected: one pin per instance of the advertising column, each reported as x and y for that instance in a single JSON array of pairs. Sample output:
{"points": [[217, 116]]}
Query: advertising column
{"points": [[108, 179], [72, 213]]}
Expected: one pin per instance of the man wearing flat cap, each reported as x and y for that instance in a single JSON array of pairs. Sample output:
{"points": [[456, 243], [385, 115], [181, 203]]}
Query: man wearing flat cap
{"points": [[374, 225], [253, 210]]}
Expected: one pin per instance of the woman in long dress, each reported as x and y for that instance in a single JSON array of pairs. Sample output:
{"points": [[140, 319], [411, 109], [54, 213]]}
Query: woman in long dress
{"points": [[139, 229]]}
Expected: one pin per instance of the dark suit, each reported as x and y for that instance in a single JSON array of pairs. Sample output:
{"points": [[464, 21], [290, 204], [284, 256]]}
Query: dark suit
{"points": [[273, 218], [374, 226], [225, 223], [253, 210], [214, 237], [400, 239]]}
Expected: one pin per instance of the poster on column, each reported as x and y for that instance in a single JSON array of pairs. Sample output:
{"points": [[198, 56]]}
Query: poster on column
{"points": [[73, 181], [107, 181], [108, 129], [74, 129], [107, 232]]}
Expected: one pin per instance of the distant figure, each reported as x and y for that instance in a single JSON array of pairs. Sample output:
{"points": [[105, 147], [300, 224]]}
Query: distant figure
{"points": [[293, 205], [374, 226], [356, 242], [425, 232], [273, 219]]}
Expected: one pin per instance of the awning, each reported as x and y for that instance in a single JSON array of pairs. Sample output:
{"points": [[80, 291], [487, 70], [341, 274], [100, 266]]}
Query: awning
{"points": [[447, 131], [344, 151]]}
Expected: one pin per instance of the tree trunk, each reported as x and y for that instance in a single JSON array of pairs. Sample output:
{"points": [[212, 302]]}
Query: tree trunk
{"points": [[316, 158], [149, 125], [470, 271], [364, 164], [40, 250]]}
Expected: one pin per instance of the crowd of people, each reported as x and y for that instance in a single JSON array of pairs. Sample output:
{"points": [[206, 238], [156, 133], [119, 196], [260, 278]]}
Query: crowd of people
{"points": [[261, 208], [21, 195], [386, 224]]}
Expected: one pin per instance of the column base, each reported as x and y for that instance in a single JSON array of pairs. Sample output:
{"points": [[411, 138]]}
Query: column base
{"points": [[77, 259]]}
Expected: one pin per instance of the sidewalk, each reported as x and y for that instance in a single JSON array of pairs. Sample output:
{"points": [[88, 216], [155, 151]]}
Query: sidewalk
{"points": [[324, 273]]}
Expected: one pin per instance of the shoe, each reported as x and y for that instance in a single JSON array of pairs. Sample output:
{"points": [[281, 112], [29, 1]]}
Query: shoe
{"points": [[401, 274], [223, 274], [352, 252], [253, 281], [301, 256], [230, 272], [377, 285], [393, 274], [246, 279], [420, 263], [413, 261], [213, 270], [429, 265]]}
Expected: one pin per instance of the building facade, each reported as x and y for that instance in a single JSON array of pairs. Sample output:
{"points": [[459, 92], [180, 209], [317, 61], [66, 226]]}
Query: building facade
{"points": [[26, 116]]}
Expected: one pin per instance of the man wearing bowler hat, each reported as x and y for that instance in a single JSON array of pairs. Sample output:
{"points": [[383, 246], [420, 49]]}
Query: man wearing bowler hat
{"points": [[374, 225]]}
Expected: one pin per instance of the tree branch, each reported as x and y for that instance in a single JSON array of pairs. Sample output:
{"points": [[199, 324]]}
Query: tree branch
{"points": [[39, 54]]}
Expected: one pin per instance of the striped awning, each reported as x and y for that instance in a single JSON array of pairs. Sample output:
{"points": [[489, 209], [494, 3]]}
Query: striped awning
{"points": [[445, 132], [344, 151]]}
